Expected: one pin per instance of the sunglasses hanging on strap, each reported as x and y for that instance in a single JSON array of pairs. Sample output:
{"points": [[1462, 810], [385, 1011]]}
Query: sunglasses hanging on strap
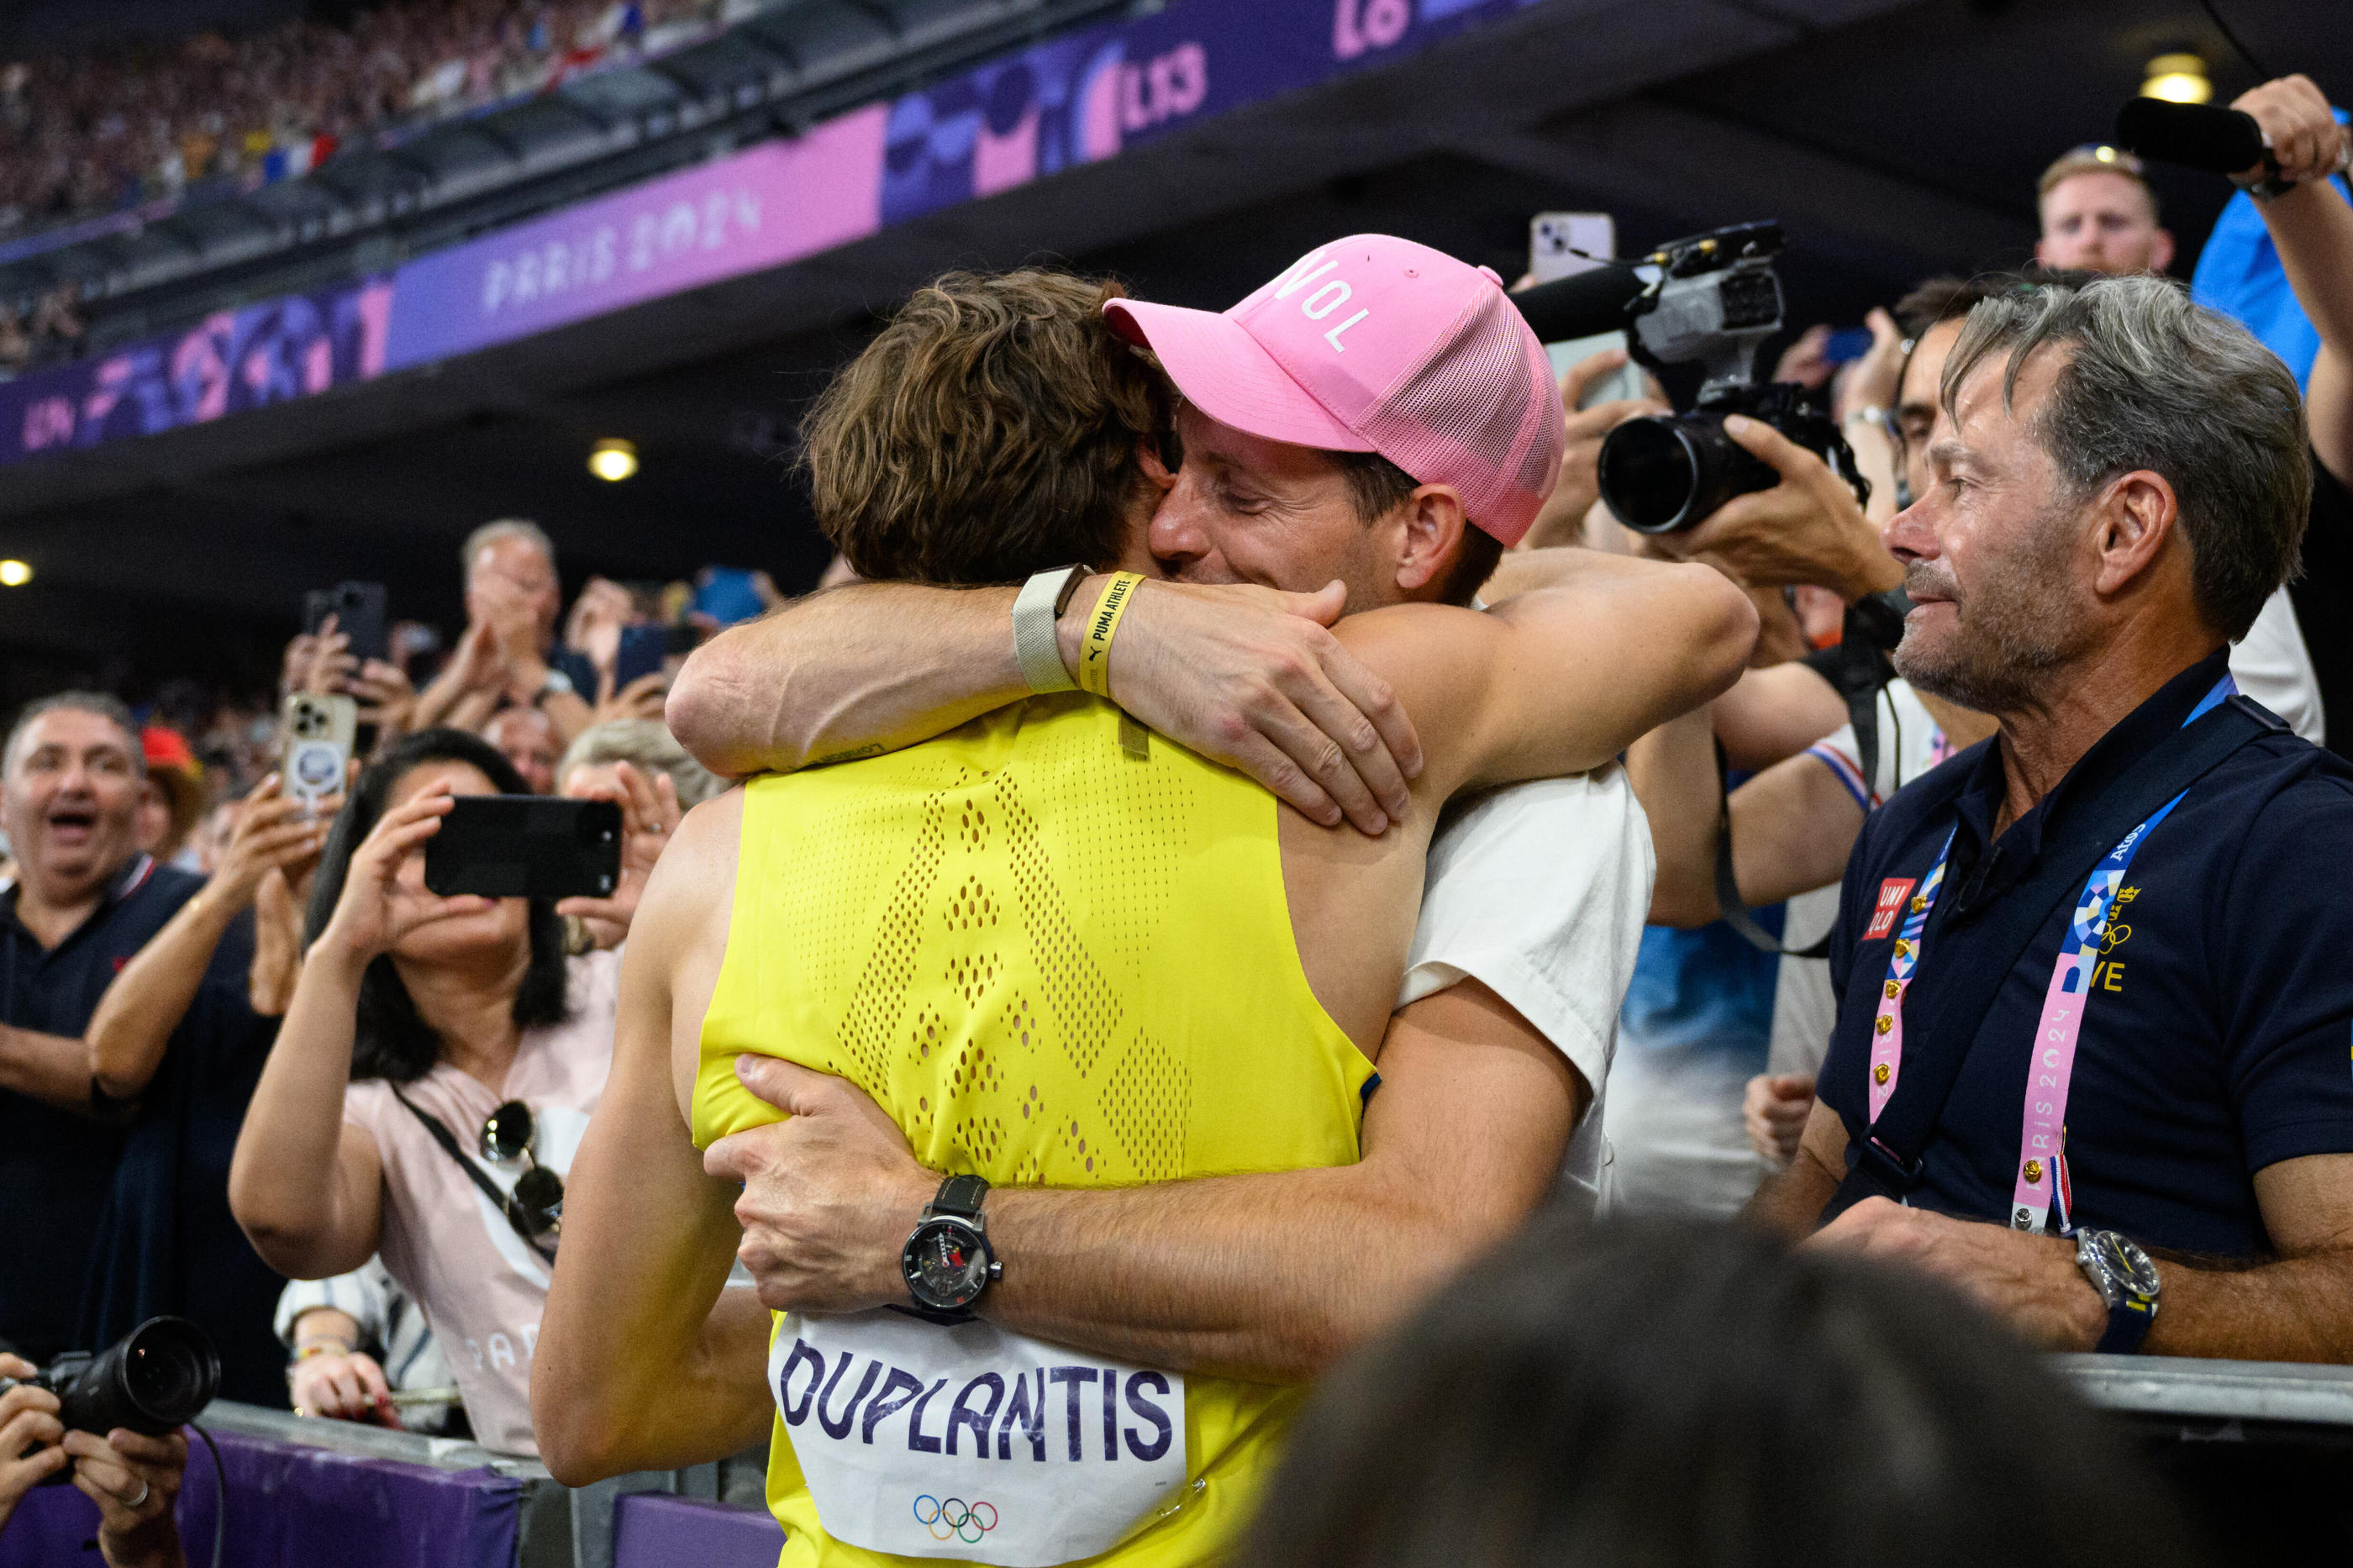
{"points": [[535, 1207]]}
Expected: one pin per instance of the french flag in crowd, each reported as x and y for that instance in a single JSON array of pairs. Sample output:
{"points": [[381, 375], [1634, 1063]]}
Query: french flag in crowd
{"points": [[288, 159]]}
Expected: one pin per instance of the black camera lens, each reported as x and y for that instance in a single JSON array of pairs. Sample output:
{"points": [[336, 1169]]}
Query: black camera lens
{"points": [[160, 1374], [1665, 475]]}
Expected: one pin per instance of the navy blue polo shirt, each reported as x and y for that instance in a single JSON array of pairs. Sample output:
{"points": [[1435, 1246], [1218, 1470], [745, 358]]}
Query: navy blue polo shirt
{"points": [[108, 1226], [2218, 1035]]}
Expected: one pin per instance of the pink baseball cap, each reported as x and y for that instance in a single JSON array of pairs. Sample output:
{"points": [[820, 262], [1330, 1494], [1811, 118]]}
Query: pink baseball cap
{"points": [[1376, 345]]}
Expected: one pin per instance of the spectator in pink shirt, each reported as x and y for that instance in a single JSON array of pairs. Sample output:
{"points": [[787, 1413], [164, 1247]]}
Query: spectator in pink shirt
{"points": [[436, 1069]]}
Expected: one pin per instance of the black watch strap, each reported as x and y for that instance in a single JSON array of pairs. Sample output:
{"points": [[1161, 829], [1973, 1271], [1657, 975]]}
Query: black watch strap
{"points": [[960, 1196]]}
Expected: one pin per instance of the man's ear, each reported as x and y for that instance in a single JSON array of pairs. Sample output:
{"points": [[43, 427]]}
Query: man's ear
{"points": [[2137, 513], [1156, 468], [1433, 523], [2160, 251]]}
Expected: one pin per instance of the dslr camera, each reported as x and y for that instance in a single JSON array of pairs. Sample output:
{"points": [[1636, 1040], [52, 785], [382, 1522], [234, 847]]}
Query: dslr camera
{"points": [[1711, 299], [156, 1378]]}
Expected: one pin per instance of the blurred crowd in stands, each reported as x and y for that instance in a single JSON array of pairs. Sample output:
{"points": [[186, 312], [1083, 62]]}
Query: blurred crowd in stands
{"points": [[101, 129]]}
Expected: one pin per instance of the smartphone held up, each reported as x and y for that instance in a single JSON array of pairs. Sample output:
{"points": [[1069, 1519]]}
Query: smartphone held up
{"points": [[526, 846]]}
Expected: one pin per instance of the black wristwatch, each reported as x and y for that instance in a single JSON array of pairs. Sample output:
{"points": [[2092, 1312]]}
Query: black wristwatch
{"points": [[2127, 1280], [947, 1260]]}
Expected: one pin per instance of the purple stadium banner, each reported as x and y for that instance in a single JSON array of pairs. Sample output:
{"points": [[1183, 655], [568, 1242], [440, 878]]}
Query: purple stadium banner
{"points": [[772, 204], [288, 347], [1074, 100], [1089, 95]]}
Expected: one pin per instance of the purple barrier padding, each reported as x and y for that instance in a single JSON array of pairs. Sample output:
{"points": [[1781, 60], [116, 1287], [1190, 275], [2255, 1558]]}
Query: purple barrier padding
{"points": [[652, 1530], [762, 208], [291, 1506], [284, 348]]}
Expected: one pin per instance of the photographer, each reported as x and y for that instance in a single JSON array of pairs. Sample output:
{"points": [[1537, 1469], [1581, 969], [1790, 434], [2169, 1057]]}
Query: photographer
{"points": [[134, 1479], [417, 1019]]}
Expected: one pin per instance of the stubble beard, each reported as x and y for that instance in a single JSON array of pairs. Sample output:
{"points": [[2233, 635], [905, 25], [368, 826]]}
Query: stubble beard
{"points": [[2010, 632]]}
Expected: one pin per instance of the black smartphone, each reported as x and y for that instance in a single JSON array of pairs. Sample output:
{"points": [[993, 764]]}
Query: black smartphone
{"points": [[359, 612], [526, 846]]}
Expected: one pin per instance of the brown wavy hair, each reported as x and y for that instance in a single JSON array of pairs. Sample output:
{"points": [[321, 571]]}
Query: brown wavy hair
{"points": [[990, 431]]}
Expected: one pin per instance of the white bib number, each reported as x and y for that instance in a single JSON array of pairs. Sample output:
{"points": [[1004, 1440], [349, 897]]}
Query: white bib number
{"points": [[972, 1442]]}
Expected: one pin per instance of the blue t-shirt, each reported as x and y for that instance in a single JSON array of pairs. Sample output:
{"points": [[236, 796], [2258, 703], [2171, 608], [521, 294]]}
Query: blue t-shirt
{"points": [[1702, 993], [2239, 274], [2217, 1038]]}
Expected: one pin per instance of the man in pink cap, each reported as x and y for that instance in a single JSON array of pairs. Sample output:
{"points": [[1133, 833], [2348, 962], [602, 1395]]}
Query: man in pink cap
{"points": [[1409, 373], [1371, 427]]}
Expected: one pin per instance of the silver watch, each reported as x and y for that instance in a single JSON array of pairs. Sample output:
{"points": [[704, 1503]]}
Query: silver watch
{"points": [[2127, 1280], [1037, 645]]}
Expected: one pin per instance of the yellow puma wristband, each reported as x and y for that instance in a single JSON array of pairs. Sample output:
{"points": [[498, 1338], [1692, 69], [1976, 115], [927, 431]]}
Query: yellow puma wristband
{"points": [[1094, 653]]}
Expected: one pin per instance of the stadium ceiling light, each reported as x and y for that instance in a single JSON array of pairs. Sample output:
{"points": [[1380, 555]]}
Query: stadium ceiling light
{"points": [[613, 460], [2178, 79], [15, 574]]}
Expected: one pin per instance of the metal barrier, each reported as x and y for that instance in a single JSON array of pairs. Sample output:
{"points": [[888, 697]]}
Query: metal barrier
{"points": [[308, 1491], [2260, 1452]]}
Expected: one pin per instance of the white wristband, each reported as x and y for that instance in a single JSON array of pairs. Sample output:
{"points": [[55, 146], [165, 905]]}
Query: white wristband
{"points": [[1037, 645]]}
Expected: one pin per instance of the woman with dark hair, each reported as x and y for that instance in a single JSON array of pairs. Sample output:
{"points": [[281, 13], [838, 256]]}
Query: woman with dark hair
{"points": [[1689, 1396], [436, 1069]]}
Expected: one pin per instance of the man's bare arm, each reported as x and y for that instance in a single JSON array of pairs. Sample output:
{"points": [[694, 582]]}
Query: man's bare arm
{"points": [[849, 671], [1265, 1276], [52, 1069], [644, 1360], [1792, 1201], [2297, 1309], [2312, 228], [1246, 676], [1792, 826], [1560, 679]]}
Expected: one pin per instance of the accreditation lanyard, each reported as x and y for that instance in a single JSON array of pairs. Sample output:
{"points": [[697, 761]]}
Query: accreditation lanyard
{"points": [[2052, 1066]]}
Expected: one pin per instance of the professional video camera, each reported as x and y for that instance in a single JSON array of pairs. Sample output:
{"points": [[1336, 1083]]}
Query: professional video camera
{"points": [[157, 1377], [1711, 299]]}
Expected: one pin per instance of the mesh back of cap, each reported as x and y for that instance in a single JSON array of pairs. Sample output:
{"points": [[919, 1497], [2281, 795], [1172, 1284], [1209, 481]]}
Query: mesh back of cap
{"points": [[1477, 412]]}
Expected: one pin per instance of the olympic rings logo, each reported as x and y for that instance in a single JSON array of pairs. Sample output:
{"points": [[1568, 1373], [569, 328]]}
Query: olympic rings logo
{"points": [[954, 1520]]}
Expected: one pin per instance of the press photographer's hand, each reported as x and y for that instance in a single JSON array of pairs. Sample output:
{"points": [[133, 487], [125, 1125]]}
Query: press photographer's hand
{"points": [[135, 1480], [29, 1431], [1562, 517], [1807, 529]]}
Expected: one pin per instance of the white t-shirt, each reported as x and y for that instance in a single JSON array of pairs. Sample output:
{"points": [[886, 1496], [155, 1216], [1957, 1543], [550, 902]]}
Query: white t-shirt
{"points": [[2272, 665], [1910, 743], [1539, 892]]}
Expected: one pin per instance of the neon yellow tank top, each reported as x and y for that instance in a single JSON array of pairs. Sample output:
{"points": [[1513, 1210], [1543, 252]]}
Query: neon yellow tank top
{"points": [[1057, 951]]}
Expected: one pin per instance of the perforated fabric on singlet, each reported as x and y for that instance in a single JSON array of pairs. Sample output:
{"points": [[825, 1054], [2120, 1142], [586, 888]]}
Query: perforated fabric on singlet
{"points": [[1051, 962]]}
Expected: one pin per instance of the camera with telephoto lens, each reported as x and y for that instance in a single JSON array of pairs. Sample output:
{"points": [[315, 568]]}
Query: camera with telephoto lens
{"points": [[1711, 299], [153, 1380]]}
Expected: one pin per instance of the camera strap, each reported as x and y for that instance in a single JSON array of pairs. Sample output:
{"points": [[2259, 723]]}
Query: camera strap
{"points": [[503, 1201], [1859, 669]]}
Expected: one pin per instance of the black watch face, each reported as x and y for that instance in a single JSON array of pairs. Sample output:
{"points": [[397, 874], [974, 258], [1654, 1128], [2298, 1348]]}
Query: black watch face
{"points": [[2130, 1266], [947, 1263]]}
